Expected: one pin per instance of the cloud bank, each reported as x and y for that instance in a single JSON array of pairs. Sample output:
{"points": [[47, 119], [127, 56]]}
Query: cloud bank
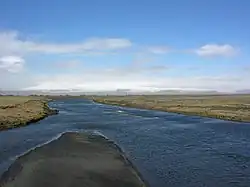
{"points": [[11, 64], [217, 50], [137, 82], [144, 74], [11, 43]]}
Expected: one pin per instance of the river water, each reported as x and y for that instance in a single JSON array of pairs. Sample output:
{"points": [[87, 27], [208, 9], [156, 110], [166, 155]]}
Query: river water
{"points": [[170, 150]]}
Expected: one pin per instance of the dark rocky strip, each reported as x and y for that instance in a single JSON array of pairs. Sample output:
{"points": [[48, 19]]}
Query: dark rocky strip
{"points": [[74, 160]]}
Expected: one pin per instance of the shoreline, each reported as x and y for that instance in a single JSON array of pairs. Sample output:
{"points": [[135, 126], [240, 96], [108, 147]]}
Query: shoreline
{"points": [[206, 114], [26, 113], [92, 155]]}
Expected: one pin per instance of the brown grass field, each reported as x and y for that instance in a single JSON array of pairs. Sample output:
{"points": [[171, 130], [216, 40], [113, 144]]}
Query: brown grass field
{"points": [[16, 111], [227, 107]]}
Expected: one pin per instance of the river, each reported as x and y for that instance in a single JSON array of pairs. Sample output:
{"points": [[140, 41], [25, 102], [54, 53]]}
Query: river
{"points": [[170, 150]]}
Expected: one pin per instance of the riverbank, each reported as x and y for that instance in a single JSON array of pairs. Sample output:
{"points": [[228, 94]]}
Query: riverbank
{"points": [[17, 111], [226, 107], [75, 159]]}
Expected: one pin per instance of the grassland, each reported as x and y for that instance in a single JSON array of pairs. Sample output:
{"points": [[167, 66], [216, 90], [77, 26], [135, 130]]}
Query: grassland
{"points": [[17, 111], [227, 107]]}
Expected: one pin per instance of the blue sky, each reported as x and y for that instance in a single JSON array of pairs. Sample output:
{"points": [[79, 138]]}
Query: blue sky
{"points": [[139, 45]]}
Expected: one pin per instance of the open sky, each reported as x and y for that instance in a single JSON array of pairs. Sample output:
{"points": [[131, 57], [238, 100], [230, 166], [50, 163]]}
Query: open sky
{"points": [[101, 45]]}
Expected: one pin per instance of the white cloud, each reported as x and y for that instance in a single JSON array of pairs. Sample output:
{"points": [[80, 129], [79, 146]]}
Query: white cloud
{"points": [[220, 83], [12, 44], [135, 70], [139, 75], [217, 50], [16, 81], [90, 45], [159, 49], [11, 64], [113, 79]]}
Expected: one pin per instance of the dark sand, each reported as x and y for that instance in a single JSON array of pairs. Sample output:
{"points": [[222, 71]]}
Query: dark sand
{"points": [[74, 160]]}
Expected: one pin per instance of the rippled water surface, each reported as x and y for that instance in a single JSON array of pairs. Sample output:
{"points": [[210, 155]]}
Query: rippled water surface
{"points": [[170, 150]]}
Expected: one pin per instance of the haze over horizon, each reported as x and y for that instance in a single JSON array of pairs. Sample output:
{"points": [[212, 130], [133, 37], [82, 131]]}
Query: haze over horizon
{"points": [[137, 45]]}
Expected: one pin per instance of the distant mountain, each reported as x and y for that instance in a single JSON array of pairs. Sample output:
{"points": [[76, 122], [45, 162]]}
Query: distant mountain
{"points": [[169, 91], [247, 91], [123, 90], [180, 92]]}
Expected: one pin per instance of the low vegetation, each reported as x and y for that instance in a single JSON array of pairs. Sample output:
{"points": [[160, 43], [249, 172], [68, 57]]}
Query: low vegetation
{"points": [[17, 111], [227, 107]]}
